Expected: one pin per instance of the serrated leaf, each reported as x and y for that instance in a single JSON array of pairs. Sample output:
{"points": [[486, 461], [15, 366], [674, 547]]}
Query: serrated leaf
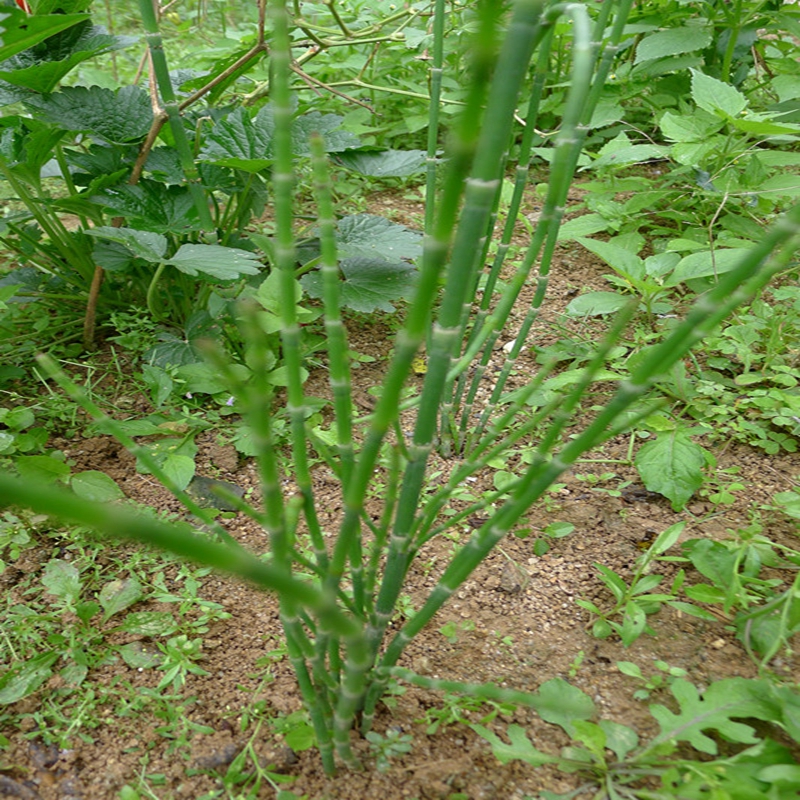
{"points": [[41, 68], [143, 244], [673, 42], [714, 710], [21, 31], [62, 579], [370, 236], [520, 749], [596, 304], [244, 142], [151, 206], [149, 623], [117, 595], [328, 126], [672, 465], [369, 284], [172, 352], [716, 96], [386, 163], [241, 141], [120, 116], [682, 128], [225, 263], [95, 486], [23, 679]]}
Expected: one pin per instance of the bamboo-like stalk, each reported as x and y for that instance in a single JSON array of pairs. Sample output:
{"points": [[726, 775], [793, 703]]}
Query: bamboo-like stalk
{"points": [[158, 60], [433, 113], [584, 94], [733, 289], [481, 189]]}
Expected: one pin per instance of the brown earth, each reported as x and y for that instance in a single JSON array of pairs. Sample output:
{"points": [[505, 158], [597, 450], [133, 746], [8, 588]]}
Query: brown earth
{"points": [[522, 628]]}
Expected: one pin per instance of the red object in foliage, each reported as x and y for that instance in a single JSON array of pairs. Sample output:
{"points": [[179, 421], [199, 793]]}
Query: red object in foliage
{"points": [[24, 6]]}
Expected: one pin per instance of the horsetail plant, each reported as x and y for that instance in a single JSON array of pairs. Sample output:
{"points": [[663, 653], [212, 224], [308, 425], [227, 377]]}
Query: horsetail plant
{"points": [[336, 623]]}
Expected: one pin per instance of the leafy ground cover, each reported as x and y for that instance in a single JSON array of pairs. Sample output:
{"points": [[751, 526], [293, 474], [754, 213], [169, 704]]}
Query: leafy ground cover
{"points": [[631, 637]]}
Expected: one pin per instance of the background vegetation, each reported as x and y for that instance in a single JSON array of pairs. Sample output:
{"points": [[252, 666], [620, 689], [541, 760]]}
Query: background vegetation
{"points": [[204, 214]]}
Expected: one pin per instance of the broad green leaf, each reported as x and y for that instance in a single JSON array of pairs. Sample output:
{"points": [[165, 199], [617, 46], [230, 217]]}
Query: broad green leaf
{"points": [[585, 225], [244, 142], [241, 141], [561, 703], [705, 264], [620, 739], [632, 154], [17, 418], [95, 486], [62, 579], [179, 468], [20, 31], [370, 284], [23, 679], [42, 468], [149, 623], [203, 378], [385, 163], [673, 42], [117, 595], [151, 206], [118, 116], [371, 236], [520, 748], [672, 465], [622, 261], [713, 560], [717, 96], [596, 304], [712, 711], [143, 244], [328, 126], [778, 186], [225, 263], [269, 292], [139, 656], [172, 352], [40, 69], [688, 128], [762, 125]]}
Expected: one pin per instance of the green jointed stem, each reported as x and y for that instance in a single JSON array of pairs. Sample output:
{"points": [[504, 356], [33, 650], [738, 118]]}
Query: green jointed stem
{"points": [[481, 189], [182, 144], [567, 149], [733, 289], [334, 327], [176, 537], [284, 252], [436, 70]]}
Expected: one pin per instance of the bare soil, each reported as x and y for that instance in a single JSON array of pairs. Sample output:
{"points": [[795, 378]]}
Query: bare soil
{"points": [[526, 627]]}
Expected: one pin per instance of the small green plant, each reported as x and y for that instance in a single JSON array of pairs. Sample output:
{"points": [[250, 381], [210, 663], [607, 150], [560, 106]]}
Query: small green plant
{"points": [[615, 763], [635, 600], [393, 744], [657, 681], [462, 708]]}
